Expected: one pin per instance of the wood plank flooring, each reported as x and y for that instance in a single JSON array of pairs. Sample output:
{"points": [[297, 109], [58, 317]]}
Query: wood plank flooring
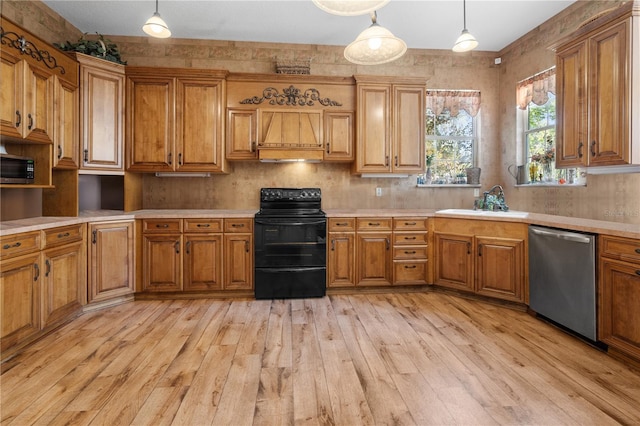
{"points": [[401, 359]]}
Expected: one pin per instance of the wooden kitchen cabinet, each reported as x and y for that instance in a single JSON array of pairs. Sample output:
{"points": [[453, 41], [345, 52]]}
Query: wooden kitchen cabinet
{"points": [[202, 259], [242, 134], [174, 120], [390, 125], [338, 136], [111, 261], [619, 294], [597, 96], [66, 137], [483, 257], [238, 254], [410, 247], [102, 85], [162, 255], [64, 280], [341, 252], [374, 254]]}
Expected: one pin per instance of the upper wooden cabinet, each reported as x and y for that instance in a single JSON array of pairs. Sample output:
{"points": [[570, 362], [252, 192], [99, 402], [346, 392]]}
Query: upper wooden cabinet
{"points": [[284, 117], [66, 135], [598, 92], [390, 125], [174, 120], [101, 114]]}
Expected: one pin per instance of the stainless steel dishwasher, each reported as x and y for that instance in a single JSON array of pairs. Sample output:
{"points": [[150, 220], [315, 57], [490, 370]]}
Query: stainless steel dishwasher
{"points": [[562, 278]]}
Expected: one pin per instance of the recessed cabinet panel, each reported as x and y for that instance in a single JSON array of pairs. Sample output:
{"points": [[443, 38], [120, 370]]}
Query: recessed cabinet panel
{"points": [[242, 134]]}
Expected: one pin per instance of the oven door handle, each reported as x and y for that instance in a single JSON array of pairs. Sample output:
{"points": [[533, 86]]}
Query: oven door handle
{"points": [[269, 222], [292, 269]]}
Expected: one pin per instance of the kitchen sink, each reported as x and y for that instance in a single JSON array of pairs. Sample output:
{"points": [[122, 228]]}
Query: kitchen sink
{"points": [[487, 213]]}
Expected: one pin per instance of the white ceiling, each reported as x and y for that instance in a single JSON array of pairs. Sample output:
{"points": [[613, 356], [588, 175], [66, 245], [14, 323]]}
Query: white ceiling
{"points": [[423, 24]]}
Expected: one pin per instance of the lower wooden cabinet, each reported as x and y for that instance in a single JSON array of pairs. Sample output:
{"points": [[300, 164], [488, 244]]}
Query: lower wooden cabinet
{"points": [[238, 254], [374, 253], [619, 294], [162, 262], [111, 260], [202, 262], [341, 252], [483, 257]]}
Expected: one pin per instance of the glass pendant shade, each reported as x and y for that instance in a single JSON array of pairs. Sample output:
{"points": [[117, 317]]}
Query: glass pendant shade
{"points": [[465, 42], [155, 26], [375, 45], [350, 7]]}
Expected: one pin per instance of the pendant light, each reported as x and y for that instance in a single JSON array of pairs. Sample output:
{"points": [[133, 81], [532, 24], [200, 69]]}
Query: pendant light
{"points": [[375, 45], [350, 7], [466, 41], [155, 26]]}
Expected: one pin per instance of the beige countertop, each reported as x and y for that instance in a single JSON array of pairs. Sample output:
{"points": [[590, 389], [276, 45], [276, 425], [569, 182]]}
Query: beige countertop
{"points": [[563, 222]]}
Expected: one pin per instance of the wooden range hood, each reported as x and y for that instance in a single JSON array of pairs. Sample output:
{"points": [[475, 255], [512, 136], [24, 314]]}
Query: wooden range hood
{"points": [[291, 136]]}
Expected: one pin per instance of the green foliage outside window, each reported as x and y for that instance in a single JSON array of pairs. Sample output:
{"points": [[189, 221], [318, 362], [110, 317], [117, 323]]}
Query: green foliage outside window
{"points": [[449, 145]]}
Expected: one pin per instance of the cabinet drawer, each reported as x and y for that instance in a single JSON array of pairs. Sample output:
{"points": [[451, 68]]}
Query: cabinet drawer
{"points": [[410, 223], [14, 245], [410, 272], [401, 238], [374, 224], [410, 252], [620, 248], [161, 226], [203, 225], [341, 224], [238, 225], [63, 235]]}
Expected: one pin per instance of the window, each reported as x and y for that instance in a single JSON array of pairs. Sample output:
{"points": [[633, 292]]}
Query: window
{"points": [[450, 136]]}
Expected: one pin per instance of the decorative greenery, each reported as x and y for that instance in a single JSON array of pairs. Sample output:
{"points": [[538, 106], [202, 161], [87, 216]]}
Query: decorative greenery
{"points": [[100, 48], [549, 154]]}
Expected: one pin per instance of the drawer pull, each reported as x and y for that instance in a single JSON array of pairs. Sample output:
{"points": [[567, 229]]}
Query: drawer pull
{"points": [[638, 250], [637, 271], [410, 224], [246, 246], [61, 235], [37, 268], [48, 265], [177, 247], [410, 266], [342, 224], [409, 238], [409, 252], [188, 247], [374, 223], [237, 225], [387, 241], [203, 225], [8, 246], [94, 239], [162, 225]]}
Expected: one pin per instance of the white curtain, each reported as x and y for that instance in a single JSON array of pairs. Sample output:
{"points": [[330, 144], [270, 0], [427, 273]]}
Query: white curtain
{"points": [[536, 89], [453, 101]]}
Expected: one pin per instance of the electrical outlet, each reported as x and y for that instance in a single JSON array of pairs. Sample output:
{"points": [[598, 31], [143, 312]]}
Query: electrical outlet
{"points": [[476, 192], [378, 192]]}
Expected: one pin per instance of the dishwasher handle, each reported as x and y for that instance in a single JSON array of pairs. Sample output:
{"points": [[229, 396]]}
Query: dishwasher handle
{"points": [[569, 236]]}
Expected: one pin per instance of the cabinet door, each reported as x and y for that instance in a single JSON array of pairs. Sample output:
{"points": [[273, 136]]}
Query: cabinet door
{"points": [[500, 268], [341, 260], [162, 262], [64, 283], [20, 299], [38, 105], [338, 136], [199, 144], [102, 124], [66, 153], [202, 262], [242, 134], [619, 305], [408, 129], [373, 136], [610, 103], [374, 258], [11, 95], [111, 260], [150, 124], [572, 102], [238, 261], [453, 261]]}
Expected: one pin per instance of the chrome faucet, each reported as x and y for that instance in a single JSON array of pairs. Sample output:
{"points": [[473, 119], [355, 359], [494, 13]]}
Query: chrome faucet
{"points": [[492, 200]]}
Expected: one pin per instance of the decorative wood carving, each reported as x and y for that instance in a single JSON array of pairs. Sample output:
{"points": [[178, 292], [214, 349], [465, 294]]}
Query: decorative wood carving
{"points": [[16, 41], [291, 96]]}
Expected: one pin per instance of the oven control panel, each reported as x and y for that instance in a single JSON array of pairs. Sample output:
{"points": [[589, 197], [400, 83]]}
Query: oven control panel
{"points": [[290, 194]]}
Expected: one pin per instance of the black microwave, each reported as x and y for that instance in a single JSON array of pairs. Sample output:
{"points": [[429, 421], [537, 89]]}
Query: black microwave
{"points": [[16, 169]]}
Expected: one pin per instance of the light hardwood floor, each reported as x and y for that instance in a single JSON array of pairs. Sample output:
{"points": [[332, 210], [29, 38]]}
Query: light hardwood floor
{"points": [[410, 358]]}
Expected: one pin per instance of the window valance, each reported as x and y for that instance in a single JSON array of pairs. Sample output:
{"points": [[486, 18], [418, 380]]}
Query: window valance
{"points": [[536, 88], [453, 101]]}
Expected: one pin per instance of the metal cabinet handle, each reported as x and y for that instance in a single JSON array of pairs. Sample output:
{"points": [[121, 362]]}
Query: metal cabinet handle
{"points": [[30, 126], [86, 155], [8, 246], [374, 223], [593, 148], [177, 247], [468, 248], [396, 161], [37, 268], [253, 147], [410, 266], [637, 271], [346, 224], [409, 238], [409, 252], [386, 161], [162, 225], [180, 159], [237, 225], [169, 158], [18, 118], [246, 246], [66, 234], [386, 240], [410, 223], [327, 147], [188, 247], [203, 225], [48, 265], [94, 239], [638, 250], [479, 249], [333, 245], [580, 146], [59, 152]]}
